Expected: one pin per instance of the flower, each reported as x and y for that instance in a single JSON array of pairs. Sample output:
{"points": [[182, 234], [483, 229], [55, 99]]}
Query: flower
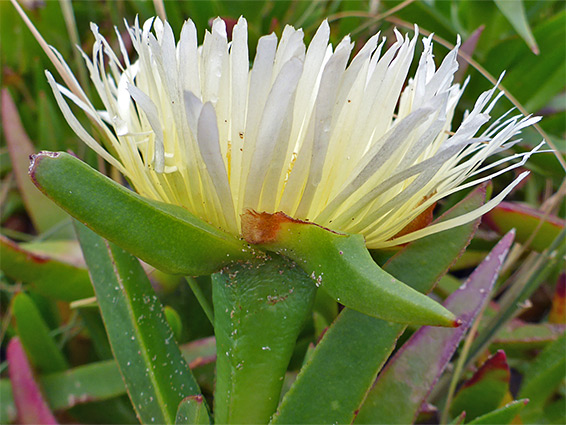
{"points": [[355, 146]]}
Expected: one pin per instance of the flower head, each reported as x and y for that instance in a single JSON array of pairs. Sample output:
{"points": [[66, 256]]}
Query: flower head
{"points": [[352, 145]]}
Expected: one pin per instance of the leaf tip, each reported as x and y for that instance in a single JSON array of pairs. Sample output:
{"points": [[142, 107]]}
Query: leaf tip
{"points": [[34, 162]]}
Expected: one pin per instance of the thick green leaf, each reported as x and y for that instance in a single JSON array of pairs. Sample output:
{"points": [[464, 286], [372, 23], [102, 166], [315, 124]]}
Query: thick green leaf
{"points": [[43, 213], [34, 335], [165, 236], [545, 374], [525, 220], [331, 259], [92, 382], [514, 11], [484, 391], [410, 375], [336, 385], [259, 310], [192, 410], [47, 275], [502, 416], [156, 375]]}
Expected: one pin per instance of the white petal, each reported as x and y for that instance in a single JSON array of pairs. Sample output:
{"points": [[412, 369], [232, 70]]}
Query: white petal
{"points": [[78, 128], [455, 222], [271, 124], [152, 115], [210, 150]]}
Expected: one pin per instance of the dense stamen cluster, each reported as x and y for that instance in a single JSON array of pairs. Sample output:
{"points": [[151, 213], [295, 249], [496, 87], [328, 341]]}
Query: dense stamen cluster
{"points": [[352, 145]]}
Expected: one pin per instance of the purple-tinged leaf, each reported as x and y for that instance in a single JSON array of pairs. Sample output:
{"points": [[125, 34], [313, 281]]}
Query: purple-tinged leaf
{"points": [[468, 47], [558, 311], [525, 220], [200, 352], [404, 384], [485, 390], [30, 403]]}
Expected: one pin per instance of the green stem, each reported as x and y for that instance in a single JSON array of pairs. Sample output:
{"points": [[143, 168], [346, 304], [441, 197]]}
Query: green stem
{"points": [[201, 298], [259, 309]]}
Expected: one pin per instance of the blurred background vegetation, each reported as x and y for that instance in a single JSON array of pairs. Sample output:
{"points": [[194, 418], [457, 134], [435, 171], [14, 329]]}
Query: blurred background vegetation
{"points": [[527, 39]]}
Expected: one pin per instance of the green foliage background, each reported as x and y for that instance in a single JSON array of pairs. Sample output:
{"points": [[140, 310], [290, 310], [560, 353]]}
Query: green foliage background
{"points": [[526, 39]]}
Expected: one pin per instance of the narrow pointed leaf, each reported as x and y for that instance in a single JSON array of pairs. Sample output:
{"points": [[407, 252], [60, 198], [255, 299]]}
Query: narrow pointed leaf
{"points": [[515, 13], [29, 401], [545, 374], [485, 390], [165, 236], [525, 221], [503, 415], [192, 410], [334, 383], [35, 336], [410, 375], [259, 310], [332, 259], [46, 274], [43, 213], [156, 375], [458, 420]]}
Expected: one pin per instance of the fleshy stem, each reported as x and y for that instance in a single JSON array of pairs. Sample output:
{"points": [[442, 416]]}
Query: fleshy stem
{"points": [[259, 309]]}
